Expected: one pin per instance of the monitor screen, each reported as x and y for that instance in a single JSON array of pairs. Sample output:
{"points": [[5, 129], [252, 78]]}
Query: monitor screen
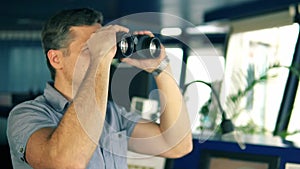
{"points": [[215, 159], [220, 163], [175, 55]]}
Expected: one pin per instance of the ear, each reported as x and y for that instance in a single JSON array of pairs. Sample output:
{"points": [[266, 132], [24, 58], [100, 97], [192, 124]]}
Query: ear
{"points": [[55, 58]]}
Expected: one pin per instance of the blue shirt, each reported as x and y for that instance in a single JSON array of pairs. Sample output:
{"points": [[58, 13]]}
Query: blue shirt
{"points": [[48, 109]]}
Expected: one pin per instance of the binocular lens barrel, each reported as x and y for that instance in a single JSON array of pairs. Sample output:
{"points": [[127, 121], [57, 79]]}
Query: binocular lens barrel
{"points": [[137, 46], [125, 44]]}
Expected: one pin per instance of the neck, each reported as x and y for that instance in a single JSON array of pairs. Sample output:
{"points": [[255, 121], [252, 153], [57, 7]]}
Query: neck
{"points": [[64, 88]]}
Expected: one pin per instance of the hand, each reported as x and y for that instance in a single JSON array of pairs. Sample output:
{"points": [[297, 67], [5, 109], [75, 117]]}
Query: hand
{"points": [[103, 42], [146, 64]]}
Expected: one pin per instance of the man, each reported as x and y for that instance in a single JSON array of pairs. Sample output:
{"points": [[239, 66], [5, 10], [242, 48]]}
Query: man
{"points": [[73, 125]]}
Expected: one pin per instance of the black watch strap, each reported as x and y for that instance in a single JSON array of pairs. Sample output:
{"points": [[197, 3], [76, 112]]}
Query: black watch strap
{"points": [[161, 67]]}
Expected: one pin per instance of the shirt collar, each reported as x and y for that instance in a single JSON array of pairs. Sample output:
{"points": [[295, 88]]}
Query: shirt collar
{"points": [[54, 98]]}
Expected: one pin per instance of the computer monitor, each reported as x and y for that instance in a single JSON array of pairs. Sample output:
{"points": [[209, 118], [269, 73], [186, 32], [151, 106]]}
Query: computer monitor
{"points": [[215, 159]]}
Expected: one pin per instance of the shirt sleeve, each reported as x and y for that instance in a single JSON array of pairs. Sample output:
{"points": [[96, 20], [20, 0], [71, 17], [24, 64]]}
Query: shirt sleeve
{"points": [[24, 120], [127, 119]]}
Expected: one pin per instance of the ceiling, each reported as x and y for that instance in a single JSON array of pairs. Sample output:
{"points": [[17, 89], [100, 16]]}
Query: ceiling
{"points": [[30, 14]]}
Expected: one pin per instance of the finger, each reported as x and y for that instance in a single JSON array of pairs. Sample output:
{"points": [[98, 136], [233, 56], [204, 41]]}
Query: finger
{"points": [[117, 28], [144, 32], [148, 33], [120, 28]]}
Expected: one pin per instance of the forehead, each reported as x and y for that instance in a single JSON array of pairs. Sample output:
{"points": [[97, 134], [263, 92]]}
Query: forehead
{"points": [[82, 33]]}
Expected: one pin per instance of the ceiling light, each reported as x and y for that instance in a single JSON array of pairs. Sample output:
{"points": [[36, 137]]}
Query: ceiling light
{"points": [[171, 31]]}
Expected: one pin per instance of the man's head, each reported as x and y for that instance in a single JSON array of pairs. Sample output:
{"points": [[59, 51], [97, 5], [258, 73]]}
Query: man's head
{"points": [[57, 35]]}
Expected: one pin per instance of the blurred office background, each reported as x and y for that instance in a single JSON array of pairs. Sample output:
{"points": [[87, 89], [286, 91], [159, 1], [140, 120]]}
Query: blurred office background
{"points": [[208, 40]]}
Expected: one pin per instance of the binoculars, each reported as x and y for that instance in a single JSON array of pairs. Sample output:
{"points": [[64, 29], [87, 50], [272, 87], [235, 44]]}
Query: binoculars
{"points": [[137, 46]]}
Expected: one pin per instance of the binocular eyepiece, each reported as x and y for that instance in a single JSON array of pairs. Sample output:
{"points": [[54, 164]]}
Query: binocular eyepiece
{"points": [[137, 46]]}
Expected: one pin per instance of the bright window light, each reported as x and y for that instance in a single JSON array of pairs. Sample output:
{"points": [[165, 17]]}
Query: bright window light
{"points": [[205, 29], [175, 55], [171, 31]]}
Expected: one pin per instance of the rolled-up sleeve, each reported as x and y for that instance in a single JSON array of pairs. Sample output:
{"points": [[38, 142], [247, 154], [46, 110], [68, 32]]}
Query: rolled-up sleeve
{"points": [[24, 120], [127, 119]]}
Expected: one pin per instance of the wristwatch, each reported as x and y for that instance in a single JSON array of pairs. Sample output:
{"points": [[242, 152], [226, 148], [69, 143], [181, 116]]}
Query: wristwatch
{"points": [[161, 67]]}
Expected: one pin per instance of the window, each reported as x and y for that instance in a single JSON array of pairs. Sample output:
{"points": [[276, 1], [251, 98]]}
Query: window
{"points": [[249, 56]]}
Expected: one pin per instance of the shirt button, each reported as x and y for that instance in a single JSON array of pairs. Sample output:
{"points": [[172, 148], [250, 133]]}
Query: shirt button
{"points": [[21, 150], [120, 135]]}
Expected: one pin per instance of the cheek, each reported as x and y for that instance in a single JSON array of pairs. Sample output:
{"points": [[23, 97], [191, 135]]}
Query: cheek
{"points": [[84, 61], [81, 66]]}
